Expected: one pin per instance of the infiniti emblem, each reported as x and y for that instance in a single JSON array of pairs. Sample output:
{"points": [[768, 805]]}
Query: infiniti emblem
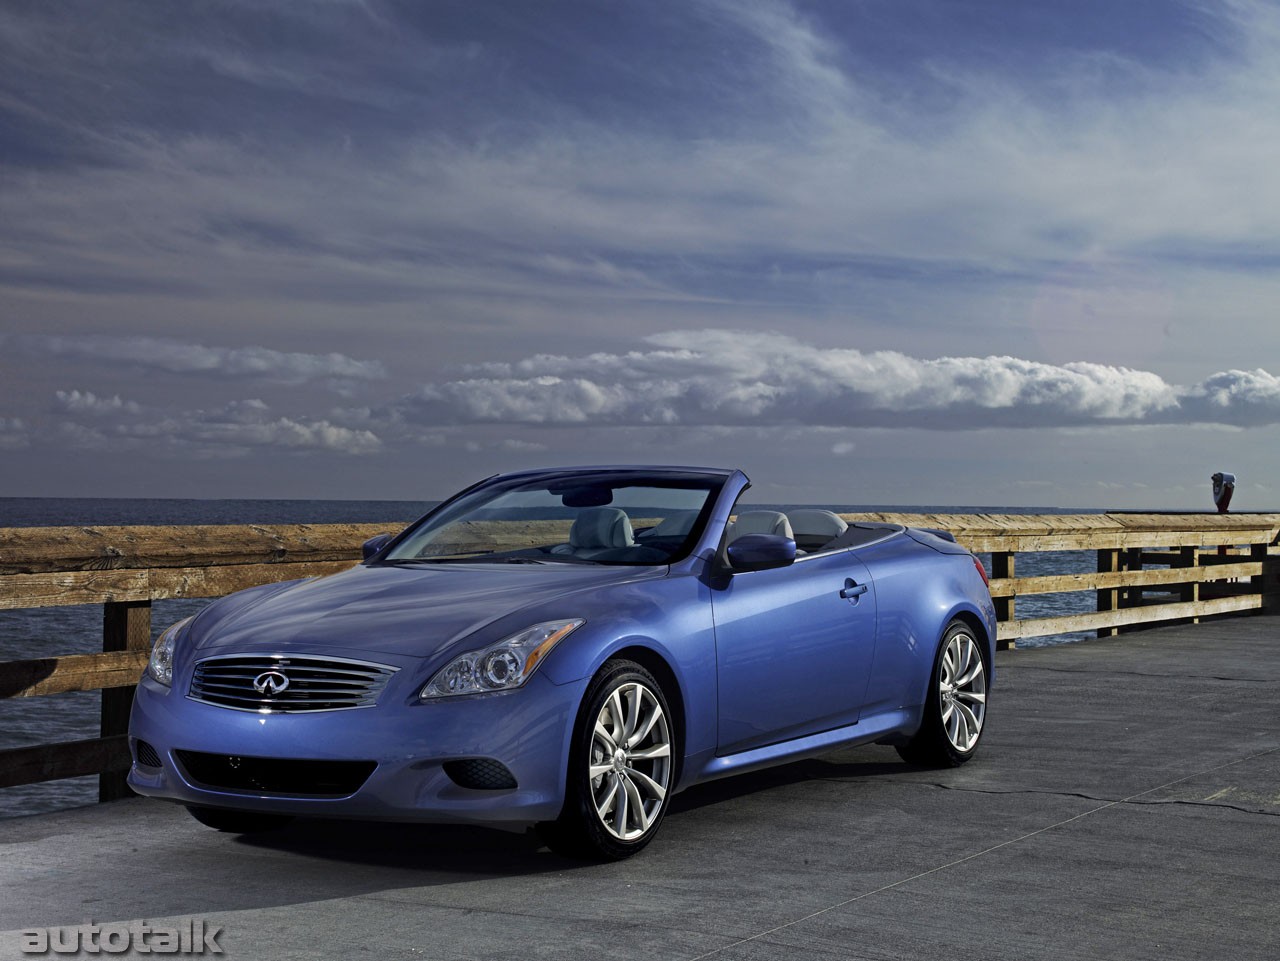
{"points": [[271, 683]]}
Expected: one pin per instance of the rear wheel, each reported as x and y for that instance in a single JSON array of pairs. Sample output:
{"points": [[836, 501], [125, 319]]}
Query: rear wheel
{"points": [[238, 822], [621, 767], [956, 710]]}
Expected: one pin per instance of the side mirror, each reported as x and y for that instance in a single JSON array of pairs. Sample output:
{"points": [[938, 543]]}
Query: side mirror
{"points": [[374, 545], [761, 552]]}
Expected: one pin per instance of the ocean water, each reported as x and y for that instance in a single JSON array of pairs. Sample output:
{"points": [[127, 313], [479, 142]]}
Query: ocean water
{"points": [[43, 632]]}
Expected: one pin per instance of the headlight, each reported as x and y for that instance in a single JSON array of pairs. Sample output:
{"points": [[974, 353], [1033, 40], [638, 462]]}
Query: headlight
{"points": [[502, 666], [160, 667]]}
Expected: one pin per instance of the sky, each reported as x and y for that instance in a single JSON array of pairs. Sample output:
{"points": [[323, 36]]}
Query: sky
{"points": [[890, 252]]}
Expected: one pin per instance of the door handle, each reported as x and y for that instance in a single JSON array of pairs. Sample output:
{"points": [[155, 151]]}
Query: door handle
{"points": [[852, 589]]}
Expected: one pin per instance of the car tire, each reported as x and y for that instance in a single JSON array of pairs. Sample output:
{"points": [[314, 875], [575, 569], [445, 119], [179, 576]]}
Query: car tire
{"points": [[621, 767], [956, 708], [238, 822]]}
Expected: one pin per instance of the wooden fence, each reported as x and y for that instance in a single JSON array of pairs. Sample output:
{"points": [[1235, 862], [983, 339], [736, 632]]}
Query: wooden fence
{"points": [[124, 569], [1151, 568]]}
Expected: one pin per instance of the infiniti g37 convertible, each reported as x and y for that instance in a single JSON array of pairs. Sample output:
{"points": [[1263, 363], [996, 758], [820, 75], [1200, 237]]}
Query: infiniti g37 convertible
{"points": [[567, 649]]}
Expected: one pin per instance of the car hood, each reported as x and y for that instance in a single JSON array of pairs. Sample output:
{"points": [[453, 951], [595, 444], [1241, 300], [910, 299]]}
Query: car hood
{"points": [[415, 611]]}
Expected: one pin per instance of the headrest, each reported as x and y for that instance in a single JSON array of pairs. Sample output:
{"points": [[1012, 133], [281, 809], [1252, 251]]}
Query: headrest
{"points": [[813, 522], [598, 527], [762, 522]]}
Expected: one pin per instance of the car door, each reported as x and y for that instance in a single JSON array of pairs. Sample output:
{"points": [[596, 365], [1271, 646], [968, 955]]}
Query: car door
{"points": [[794, 647]]}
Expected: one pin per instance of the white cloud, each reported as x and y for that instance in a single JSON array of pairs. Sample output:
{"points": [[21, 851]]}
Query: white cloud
{"points": [[234, 429], [183, 357], [87, 402], [520, 446], [803, 62], [1241, 397], [728, 378], [720, 377], [279, 432]]}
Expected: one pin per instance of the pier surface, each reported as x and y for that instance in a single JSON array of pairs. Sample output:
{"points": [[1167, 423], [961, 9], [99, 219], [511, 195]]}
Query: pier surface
{"points": [[1125, 805]]}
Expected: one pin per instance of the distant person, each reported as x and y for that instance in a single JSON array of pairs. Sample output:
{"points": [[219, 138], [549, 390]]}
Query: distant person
{"points": [[1224, 485]]}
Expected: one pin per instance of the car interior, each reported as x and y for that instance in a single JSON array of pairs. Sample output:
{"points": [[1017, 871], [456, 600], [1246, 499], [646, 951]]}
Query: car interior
{"points": [[813, 529], [606, 533]]}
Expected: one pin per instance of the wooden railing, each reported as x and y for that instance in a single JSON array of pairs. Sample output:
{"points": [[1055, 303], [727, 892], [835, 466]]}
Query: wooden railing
{"points": [[1150, 568], [124, 569]]}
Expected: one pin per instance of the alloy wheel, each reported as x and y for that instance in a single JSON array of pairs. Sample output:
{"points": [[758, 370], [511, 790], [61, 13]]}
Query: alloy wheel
{"points": [[962, 689], [630, 761]]}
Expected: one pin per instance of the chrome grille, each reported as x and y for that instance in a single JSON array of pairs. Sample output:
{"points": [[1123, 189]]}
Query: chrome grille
{"points": [[313, 683]]}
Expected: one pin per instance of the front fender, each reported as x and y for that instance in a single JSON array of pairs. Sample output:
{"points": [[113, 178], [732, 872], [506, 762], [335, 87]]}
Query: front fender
{"points": [[670, 618]]}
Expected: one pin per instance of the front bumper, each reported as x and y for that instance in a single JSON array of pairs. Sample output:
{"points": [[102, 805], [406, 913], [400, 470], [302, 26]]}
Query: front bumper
{"points": [[527, 731]]}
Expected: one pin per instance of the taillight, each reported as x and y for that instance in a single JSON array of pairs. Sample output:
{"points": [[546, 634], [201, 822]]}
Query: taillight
{"points": [[981, 570]]}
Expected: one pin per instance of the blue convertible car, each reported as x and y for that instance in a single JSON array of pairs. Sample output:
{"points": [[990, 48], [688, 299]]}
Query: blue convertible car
{"points": [[567, 649]]}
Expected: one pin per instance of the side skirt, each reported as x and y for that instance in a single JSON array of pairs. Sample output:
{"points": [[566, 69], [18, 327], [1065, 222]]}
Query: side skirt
{"points": [[866, 731]]}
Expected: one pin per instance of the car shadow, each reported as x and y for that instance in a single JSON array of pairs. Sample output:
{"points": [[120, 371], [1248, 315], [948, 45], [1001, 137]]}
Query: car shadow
{"points": [[316, 861], [458, 848], [487, 851]]}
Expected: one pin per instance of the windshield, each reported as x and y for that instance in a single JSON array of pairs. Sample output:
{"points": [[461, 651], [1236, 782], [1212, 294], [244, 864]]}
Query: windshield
{"points": [[574, 517]]}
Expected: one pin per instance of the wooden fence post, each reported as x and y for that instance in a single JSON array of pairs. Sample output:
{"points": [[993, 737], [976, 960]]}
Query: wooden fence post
{"points": [[1189, 557], [1003, 565], [126, 626], [1108, 599], [1271, 584], [1258, 583]]}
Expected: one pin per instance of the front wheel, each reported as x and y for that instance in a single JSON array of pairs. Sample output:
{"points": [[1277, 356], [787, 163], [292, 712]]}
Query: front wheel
{"points": [[957, 704], [621, 767]]}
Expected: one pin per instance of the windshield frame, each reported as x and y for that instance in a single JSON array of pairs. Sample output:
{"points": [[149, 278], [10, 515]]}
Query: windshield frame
{"points": [[473, 498]]}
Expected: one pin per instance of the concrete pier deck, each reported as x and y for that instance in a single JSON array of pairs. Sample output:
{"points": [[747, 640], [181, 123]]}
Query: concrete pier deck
{"points": [[1125, 805]]}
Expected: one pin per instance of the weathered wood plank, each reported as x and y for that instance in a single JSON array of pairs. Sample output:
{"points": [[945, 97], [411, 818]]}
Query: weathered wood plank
{"points": [[52, 762], [1061, 583], [1064, 532], [217, 581], [1208, 520], [33, 550], [1109, 540], [19, 591], [1101, 620], [77, 587], [1070, 523], [71, 672]]}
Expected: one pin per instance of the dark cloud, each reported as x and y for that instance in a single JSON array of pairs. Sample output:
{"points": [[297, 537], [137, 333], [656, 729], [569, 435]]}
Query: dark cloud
{"points": [[383, 190], [13, 433], [181, 357]]}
